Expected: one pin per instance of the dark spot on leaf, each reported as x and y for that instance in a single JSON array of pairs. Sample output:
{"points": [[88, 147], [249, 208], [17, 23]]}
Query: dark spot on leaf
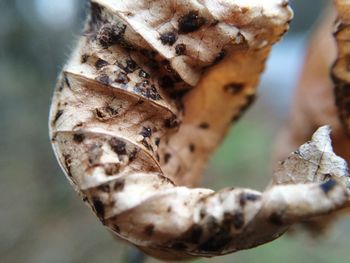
{"points": [[104, 79], [147, 91], [249, 101], [215, 22], [234, 88], [202, 213], [100, 63], [276, 218], [67, 81], [219, 57], [57, 116], [104, 188], [130, 66], [192, 147], [149, 230], [105, 113], [112, 168], [180, 49], [157, 141], [168, 38], [238, 219], [167, 157], [109, 35], [67, 163], [78, 137], [171, 123], [146, 132], [204, 125], [84, 58], [244, 197], [122, 78], [133, 155], [328, 185], [118, 146], [143, 74], [119, 185], [99, 207], [116, 228], [190, 22]]}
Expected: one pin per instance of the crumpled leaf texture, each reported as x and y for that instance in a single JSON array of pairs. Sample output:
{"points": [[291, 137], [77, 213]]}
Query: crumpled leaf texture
{"points": [[145, 98]]}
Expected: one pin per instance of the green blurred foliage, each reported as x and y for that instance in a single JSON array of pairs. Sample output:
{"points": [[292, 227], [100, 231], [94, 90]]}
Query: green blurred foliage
{"points": [[42, 220]]}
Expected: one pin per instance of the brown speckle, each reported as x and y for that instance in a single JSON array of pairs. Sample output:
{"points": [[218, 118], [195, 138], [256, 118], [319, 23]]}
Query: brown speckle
{"points": [[327, 186], [149, 230], [105, 113], [118, 146], [100, 63], [276, 218], [167, 157], [244, 197], [112, 168], [84, 58], [215, 22], [234, 88], [104, 188], [157, 141], [109, 35], [104, 79], [241, 41], [171, 123], [67, 162], [66, 80], [202, 213], [130, 66], [57, 116], [78, 137], [94, 153], [190, 22], [122, 78], [147, 91], [133, 155], [143, 74], [219, 57], [168, 38], [99, 207], [119, 185], [203, 125], [192, 147], [180, 49], [238, 219], [249, 101], [116, 228], [146, 132]]}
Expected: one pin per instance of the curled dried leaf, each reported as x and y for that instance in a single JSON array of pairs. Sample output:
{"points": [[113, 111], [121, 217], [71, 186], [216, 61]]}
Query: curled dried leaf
{"points": [[134, 120]]}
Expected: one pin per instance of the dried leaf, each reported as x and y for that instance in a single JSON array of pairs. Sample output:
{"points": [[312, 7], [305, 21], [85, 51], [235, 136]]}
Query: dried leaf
{"points": [[135, 118]]}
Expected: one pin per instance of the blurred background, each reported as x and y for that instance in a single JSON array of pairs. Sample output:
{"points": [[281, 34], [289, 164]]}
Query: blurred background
{"points": [[43, 220]]}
